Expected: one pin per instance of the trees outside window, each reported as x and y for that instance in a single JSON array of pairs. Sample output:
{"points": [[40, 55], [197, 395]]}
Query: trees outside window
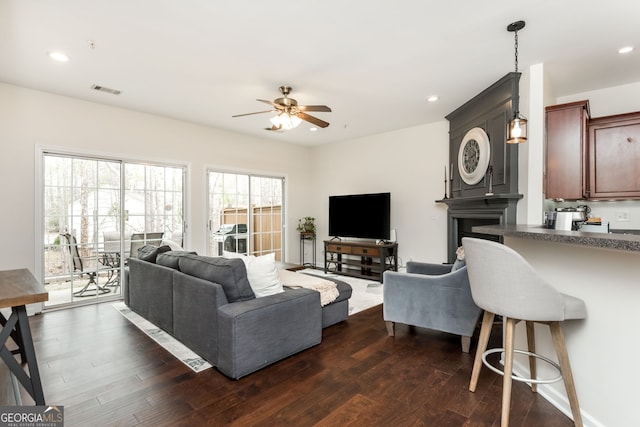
{"points": [[91, 208]]}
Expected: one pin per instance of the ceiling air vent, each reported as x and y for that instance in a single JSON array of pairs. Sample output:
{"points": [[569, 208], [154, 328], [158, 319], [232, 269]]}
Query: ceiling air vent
{"points": [[106, 89]]}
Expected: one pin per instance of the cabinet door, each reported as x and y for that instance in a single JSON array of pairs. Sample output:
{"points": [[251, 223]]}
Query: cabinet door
{"points": [[566, 156], [614, 145]]}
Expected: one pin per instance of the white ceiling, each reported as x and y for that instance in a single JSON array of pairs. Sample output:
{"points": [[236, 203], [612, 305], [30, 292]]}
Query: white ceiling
{"points": [[373, 62]]}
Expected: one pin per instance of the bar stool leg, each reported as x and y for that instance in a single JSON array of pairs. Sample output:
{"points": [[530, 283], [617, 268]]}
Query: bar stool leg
{"points": [[509, 342], [483, 341], [531, 343], [567, 375]]}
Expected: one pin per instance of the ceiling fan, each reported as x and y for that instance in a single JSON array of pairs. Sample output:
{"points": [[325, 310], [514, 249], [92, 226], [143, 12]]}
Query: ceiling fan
{"points": [[289, 113]]}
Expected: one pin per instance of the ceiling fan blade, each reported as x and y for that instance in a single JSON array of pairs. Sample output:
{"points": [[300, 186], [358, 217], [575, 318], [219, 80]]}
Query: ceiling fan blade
{"points": [[275, 129], [273, 104], [314, 120], [257, 112], [322, 108]]}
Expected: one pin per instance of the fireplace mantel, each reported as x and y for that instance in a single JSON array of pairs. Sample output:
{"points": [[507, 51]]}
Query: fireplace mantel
{"points": [[486, 199]]}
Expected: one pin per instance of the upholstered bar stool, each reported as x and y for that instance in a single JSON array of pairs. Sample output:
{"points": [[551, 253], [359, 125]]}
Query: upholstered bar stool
{"points": [[505, 284]]}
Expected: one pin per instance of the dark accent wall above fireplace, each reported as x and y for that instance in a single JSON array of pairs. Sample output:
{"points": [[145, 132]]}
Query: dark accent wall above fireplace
{"points": [[470, 205], [489, 110]]}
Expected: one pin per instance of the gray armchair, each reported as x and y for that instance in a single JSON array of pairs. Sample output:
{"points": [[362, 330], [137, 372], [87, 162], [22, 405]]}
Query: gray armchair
{"points": [[431, 296]]}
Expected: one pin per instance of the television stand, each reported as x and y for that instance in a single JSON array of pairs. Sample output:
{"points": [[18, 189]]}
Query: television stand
{"points": [[360, 259]]}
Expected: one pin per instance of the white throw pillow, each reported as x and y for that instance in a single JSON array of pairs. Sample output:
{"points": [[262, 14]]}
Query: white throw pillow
{"points": [[262, 273], [227, 254], [173, 245]]}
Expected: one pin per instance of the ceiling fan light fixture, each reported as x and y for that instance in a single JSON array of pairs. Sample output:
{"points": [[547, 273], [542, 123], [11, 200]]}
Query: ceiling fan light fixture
{"points": [[289, 114], [517, 126], [285, 121]]}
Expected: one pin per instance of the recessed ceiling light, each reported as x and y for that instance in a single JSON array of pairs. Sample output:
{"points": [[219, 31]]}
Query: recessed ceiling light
{"points": [[625, 49], [432, 98], [58, 56], [313, 129]]}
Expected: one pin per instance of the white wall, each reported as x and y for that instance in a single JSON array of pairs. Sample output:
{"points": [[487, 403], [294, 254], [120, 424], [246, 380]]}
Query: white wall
{"points": [[531, 154], [31, 118], [606, 102], [408, 163]]}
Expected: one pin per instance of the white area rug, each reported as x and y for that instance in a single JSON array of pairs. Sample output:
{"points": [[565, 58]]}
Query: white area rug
{"points": [[366, 293], [169, 343]]}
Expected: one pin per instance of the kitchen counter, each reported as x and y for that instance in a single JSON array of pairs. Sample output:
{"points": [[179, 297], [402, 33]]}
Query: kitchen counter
{"points": [[624, 242]]}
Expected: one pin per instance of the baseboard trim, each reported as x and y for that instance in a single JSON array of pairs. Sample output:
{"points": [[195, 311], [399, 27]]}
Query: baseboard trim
{"points": [[557, 399]]}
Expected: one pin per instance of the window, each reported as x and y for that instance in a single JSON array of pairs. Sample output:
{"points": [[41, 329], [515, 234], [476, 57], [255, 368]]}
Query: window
{"points": [[245, 214], [95, 212], [153, 200]]}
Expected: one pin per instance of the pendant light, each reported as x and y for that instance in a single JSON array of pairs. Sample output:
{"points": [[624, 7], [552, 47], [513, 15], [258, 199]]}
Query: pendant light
{"points": [[517, 127]]}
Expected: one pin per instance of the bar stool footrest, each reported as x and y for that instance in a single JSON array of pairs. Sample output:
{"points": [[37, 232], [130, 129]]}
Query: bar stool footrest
{"points": [[522, 379]]}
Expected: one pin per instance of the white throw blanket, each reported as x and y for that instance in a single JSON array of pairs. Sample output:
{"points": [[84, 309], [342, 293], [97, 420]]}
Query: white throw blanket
{"points": [[328, 289]]}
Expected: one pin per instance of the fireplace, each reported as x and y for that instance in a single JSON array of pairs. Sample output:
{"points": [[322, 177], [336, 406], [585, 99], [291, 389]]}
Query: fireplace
{"points": [[465, 228], [467, 212]]}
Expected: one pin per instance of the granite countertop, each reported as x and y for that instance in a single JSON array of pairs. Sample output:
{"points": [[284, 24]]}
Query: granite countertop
{"points": [[624, 242]]}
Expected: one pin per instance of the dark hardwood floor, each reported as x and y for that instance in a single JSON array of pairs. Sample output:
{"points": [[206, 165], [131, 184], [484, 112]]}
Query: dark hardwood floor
{"points": [[105, 372]]}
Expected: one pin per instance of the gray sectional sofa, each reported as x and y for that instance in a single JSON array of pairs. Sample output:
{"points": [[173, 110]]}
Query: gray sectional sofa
{"points": [[208, 304]]}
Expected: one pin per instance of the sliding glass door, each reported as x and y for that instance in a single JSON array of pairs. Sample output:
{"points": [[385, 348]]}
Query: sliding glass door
{"points": [[95, 214], [245, 214]]}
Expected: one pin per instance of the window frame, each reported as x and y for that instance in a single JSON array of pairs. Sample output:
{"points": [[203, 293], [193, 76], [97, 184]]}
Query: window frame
{"points": [[250, 174], [41, 151]]}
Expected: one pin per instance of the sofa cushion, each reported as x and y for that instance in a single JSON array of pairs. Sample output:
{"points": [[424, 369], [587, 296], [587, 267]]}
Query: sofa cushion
{"points": [[149, 253], [170, 258], [231, 274], [344, 290]]}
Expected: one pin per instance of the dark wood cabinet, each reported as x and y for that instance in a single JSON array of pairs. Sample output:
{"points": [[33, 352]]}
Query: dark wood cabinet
{"points": [[614, 157], [567, 164], [360, 259], [591, 158]]}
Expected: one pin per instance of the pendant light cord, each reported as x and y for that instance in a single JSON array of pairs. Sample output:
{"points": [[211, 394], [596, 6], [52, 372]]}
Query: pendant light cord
{"points": [[516, 48], [517, 94]]}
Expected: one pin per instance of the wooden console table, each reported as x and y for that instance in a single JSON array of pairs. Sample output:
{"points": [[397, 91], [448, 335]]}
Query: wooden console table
{"points": [[17, 289], [358, 259]]}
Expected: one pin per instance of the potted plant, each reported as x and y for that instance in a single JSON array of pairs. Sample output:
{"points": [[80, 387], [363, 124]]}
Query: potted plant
{"points": [[307, 225]]}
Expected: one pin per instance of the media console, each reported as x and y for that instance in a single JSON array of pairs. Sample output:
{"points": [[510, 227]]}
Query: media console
{"points": [[360, 259]]}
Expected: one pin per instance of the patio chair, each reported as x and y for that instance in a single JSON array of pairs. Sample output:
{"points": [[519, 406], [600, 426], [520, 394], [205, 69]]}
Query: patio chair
{"points": [[72, 247], [111, 255]]}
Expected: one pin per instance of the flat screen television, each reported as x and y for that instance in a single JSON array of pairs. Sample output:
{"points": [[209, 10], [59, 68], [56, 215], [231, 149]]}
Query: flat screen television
{"points": [[365, 216]]}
